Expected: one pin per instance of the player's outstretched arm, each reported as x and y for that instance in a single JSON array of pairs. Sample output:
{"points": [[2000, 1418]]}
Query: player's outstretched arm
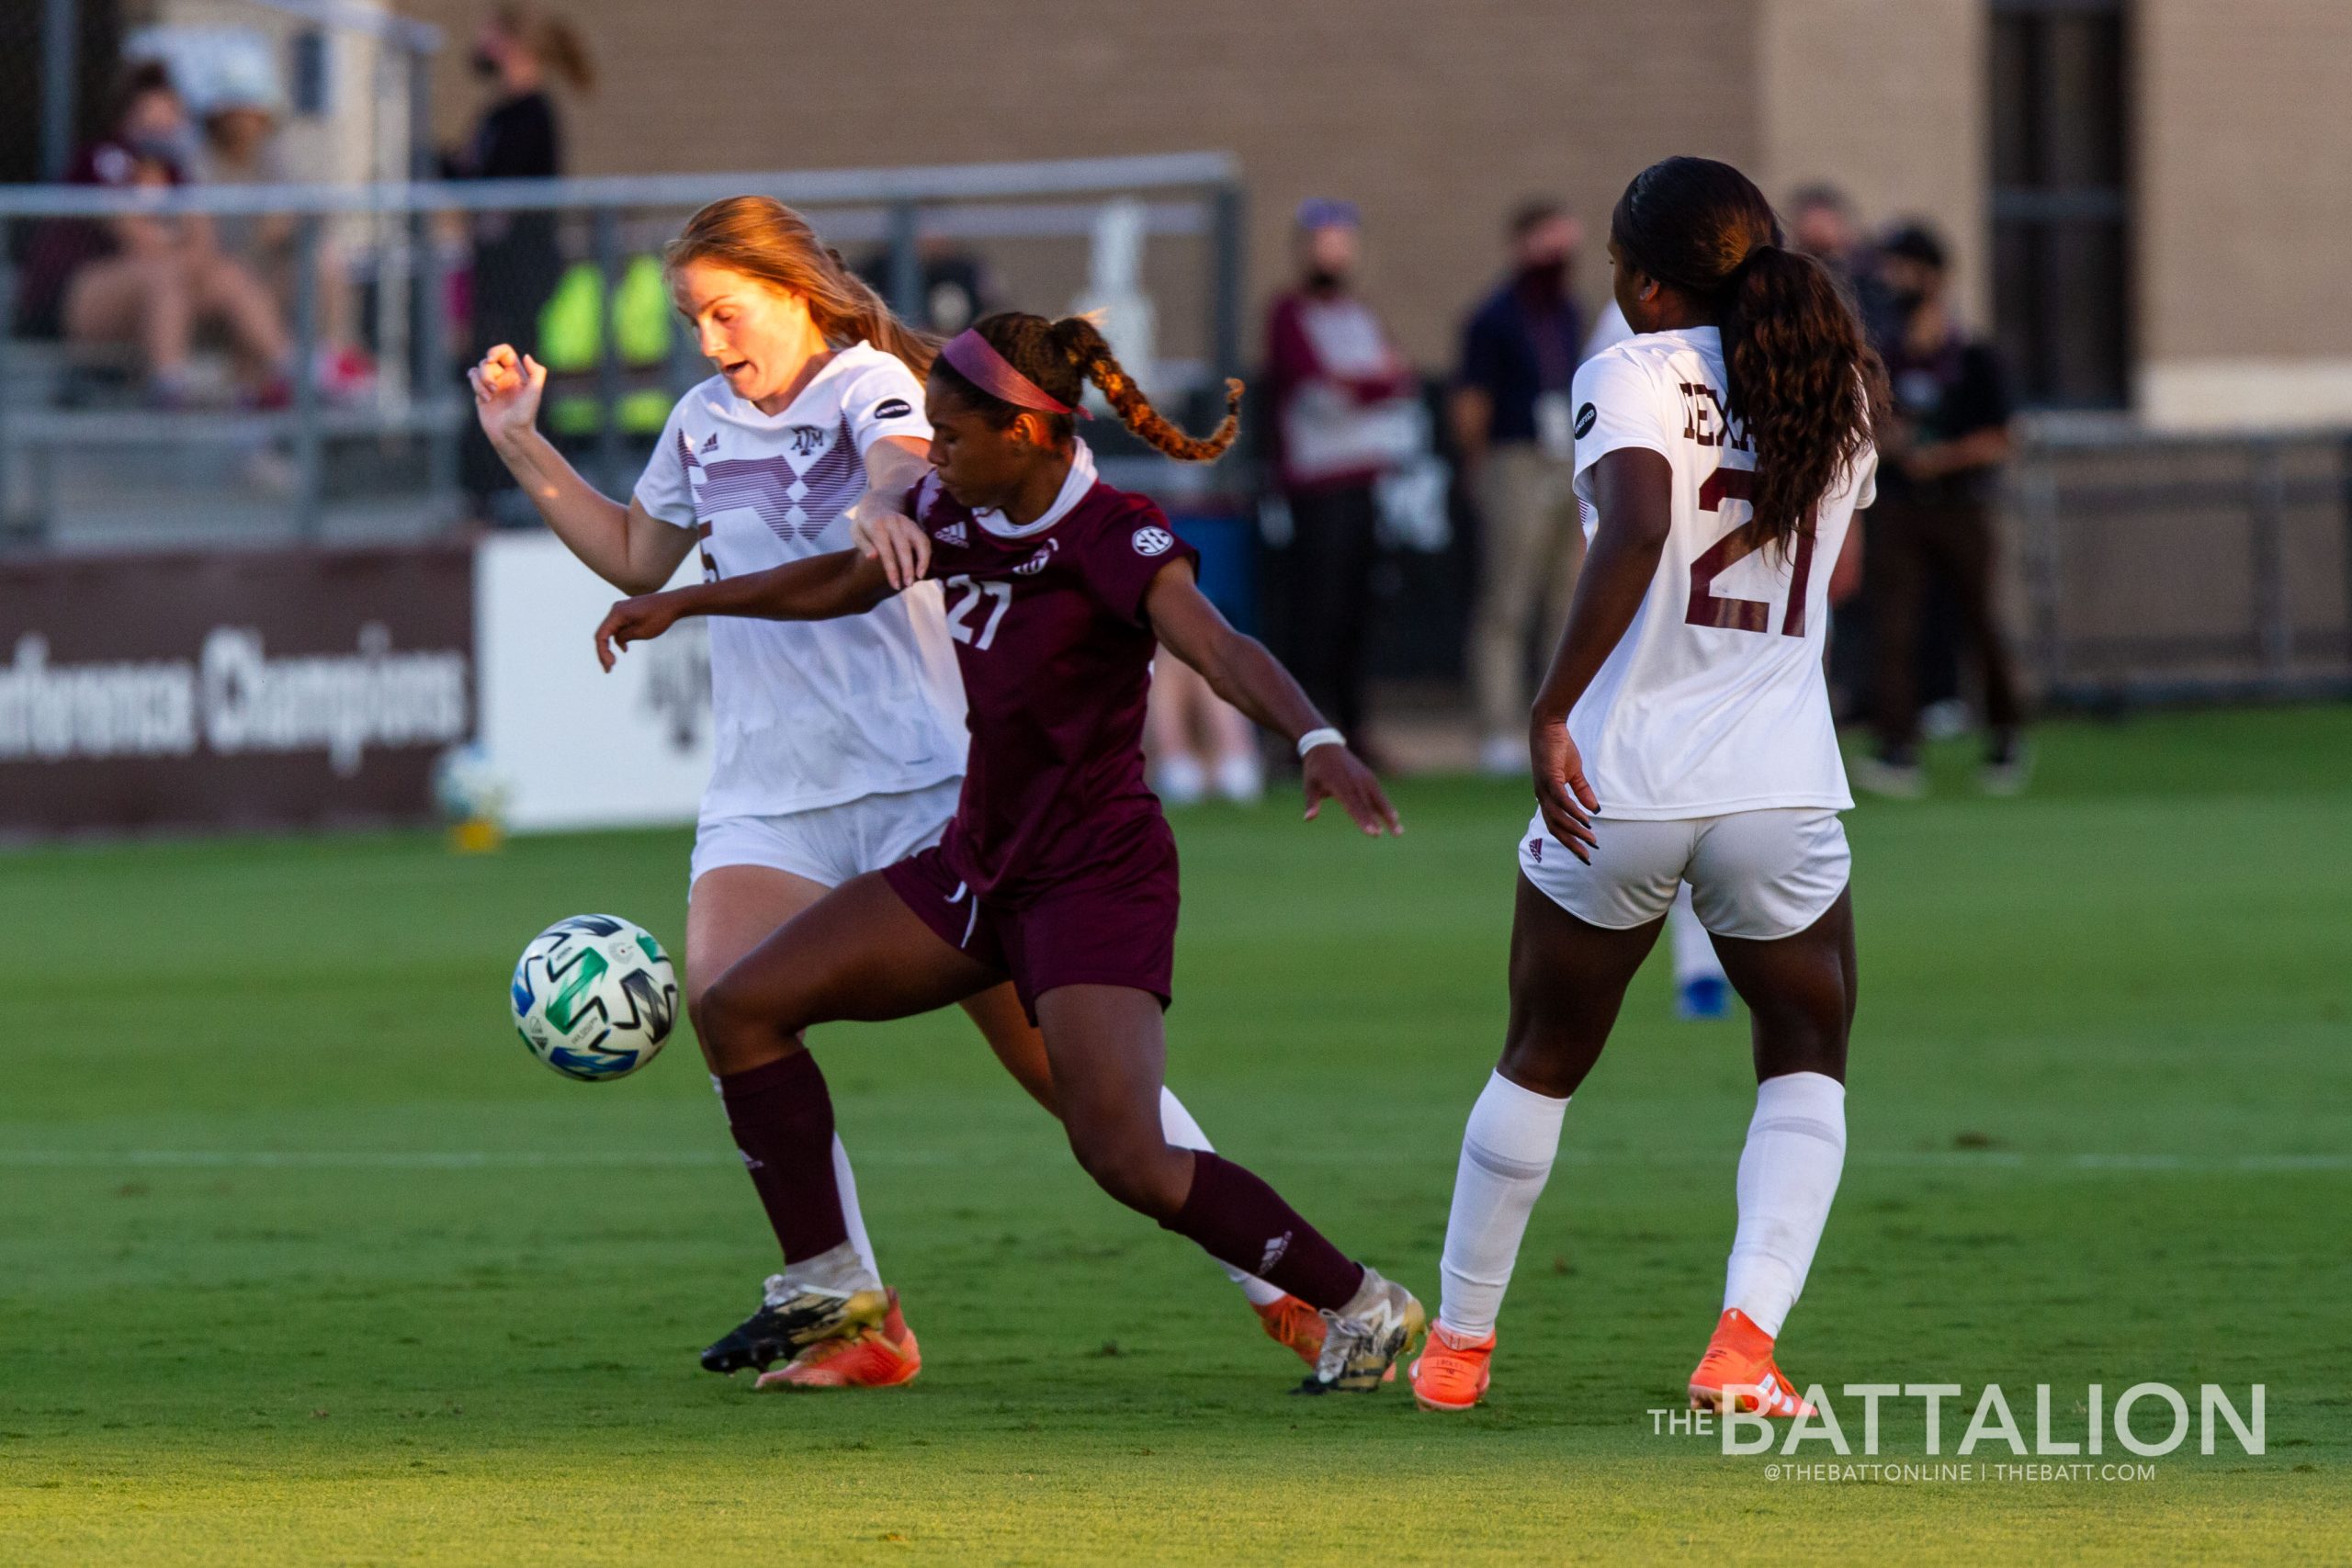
{"points": [[817, 588], [878, 524], [1634, 493], [1239, 670], [627, 546]]}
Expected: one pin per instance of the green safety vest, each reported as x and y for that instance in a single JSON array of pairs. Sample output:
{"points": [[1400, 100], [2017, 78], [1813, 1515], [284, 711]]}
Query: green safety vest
{"points": [[572, 339], [572, 323]]}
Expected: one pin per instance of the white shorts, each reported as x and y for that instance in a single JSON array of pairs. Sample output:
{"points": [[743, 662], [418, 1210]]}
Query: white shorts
{"points": [[1756, 874], [830, 844]]}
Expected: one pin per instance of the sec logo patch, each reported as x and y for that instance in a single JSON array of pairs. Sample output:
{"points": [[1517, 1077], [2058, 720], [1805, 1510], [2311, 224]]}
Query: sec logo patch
{"points": [[1584, 417], [1153, 541]]}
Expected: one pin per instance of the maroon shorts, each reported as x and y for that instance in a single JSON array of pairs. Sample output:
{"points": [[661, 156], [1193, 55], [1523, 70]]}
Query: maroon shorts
{"points": [[1115, 926]]}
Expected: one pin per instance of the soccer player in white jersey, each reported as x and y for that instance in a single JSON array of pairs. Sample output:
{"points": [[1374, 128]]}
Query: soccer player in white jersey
{"points": [[1701, 992], [1684, 734], [840, 744]]}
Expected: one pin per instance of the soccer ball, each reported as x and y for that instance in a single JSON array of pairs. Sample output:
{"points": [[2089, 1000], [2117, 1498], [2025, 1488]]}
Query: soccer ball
{"points": [[594, 997]]}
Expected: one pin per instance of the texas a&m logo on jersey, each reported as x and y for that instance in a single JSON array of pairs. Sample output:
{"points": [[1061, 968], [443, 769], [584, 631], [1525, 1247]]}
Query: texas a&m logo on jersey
{"points": [[807, 439]]}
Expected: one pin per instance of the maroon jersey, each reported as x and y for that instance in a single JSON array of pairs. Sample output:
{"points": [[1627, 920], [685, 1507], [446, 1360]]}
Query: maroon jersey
{"points": [[1050, 635]]}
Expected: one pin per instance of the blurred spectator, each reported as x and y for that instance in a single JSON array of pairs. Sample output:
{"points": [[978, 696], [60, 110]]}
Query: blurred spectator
{"points": [[1344, 413], [1512, 427], [1942, 449], [516, 260], [150, 281], [240, 145], [954, 285], [956, 289], [1821, 224]]}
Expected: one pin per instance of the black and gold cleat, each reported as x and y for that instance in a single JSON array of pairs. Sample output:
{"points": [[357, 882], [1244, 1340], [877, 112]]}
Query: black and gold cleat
{"points": [[1364, 1338], [790, 1319]]}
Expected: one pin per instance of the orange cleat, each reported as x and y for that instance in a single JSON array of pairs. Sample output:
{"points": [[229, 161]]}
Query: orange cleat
{"points": [[1295, 1326], [1450, 1372], [1738, 1370], [884, 1356]]}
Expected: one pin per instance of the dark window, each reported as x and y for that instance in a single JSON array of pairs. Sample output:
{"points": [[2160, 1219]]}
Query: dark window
{"points": [[2061, 287], [96, 52]]}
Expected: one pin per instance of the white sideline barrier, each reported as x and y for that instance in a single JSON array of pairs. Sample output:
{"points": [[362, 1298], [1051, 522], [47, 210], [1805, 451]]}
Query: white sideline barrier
{"points": [[576, 748]]}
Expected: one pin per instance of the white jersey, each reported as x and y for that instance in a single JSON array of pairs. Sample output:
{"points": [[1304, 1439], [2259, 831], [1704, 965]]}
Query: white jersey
{"points": [[1714, 700], [808, 713]]}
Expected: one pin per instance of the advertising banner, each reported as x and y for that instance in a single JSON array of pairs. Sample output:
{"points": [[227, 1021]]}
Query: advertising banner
{"points": [[566, 744], [229, 689]]}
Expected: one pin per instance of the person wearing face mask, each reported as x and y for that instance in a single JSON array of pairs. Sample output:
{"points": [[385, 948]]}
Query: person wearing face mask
{"points": [[1946, 446], [517, 264], [1821, 225], [1512, 427], [1345, 413], [152, 281]]}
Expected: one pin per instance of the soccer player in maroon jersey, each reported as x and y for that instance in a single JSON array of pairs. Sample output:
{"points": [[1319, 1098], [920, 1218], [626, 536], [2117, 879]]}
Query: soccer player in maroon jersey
{"points": [[1059, 871]]}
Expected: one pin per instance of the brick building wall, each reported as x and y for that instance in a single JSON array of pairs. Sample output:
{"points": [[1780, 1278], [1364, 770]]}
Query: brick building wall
{"points": [[1435, 118], [1885, 98], [2244, 211]]}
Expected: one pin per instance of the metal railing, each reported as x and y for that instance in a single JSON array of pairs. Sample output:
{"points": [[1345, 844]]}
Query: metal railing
{"points": [[2166, 568], [420, 395]]}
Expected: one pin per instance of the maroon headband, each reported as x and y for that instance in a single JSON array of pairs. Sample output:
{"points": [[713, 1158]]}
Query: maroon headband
{"points": [[983, 366]]}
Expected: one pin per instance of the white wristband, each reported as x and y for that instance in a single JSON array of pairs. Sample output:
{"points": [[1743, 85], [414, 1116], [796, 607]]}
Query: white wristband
{"points": [[1324, 737]]}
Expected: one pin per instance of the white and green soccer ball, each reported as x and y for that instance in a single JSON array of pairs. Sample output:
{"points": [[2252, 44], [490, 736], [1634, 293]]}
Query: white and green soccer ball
{"points": [[594, 997]]}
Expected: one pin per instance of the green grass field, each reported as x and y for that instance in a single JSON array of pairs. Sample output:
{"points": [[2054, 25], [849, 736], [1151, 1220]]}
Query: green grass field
{"points": [[302, 1260]]}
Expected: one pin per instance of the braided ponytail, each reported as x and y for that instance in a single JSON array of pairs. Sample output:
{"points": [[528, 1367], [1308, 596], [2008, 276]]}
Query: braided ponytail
{"points": [[1083, 343], [1061, 358]]}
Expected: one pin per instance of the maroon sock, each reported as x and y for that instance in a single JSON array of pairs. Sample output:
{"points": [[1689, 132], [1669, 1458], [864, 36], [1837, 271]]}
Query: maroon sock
{"points": [[1239, 1220], [782, 1117]]}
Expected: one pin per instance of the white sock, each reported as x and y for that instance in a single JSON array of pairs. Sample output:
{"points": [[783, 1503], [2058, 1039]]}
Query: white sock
{"points": [[835, 1268], [1506, 1153], [1176, 1126], [1694, 953], [851, 1215], [1788, 1174]]}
